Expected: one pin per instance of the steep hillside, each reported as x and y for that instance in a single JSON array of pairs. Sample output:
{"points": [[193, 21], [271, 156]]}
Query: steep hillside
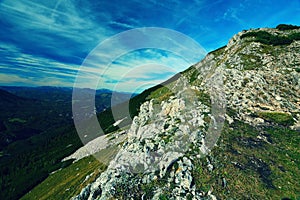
{"points": [[7, 98], [226, 128], [15, 120]]}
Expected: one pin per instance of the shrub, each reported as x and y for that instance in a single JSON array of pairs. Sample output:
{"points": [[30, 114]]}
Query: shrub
{"points": [[284, 27], [267, 38], [295, 36]]}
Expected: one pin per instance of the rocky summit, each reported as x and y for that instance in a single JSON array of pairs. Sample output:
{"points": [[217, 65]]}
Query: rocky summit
{"points": [[225, 128]]}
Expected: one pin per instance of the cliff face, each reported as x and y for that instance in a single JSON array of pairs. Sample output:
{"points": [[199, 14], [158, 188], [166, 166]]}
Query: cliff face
{"points": [[228, 127]]}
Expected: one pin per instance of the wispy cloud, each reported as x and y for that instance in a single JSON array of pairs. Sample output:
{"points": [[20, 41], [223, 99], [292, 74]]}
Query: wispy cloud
{"points": [[122, 25], [32, 70], [130, 70], [58, 30], [45, 42]]}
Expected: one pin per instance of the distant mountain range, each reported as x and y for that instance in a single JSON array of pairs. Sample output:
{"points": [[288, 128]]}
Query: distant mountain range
{"points": [[24, 109], [64, 94]]}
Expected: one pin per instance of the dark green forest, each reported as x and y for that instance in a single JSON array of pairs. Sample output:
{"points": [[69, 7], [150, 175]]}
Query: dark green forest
{"points": [[37, 133]]}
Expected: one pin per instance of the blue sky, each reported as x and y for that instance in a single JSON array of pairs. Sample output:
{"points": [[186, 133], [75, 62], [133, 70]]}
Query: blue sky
{"points": [[46, 42]]}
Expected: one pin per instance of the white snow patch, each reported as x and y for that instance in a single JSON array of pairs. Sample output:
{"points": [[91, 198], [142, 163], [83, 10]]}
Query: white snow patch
{"points": [[119, 121], [90, 148]]}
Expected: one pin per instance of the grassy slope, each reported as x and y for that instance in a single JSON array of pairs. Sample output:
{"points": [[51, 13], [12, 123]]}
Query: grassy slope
{"points": [[252, 168], [245, 166], [69, 181]]}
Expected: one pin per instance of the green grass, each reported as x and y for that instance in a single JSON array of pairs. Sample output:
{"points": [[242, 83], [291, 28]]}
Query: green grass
{"points": [[248, 64], [67, 182], [274, 176], [12, 120], [218, 51], [203, 97], [277, 117], [161, 94]]}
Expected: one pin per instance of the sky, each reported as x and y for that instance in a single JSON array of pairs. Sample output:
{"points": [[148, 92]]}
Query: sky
{"points": [[83, 43]]}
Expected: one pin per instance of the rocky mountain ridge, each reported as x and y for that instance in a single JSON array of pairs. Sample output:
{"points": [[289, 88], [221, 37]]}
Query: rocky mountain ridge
{"points": [[261, 85]]}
